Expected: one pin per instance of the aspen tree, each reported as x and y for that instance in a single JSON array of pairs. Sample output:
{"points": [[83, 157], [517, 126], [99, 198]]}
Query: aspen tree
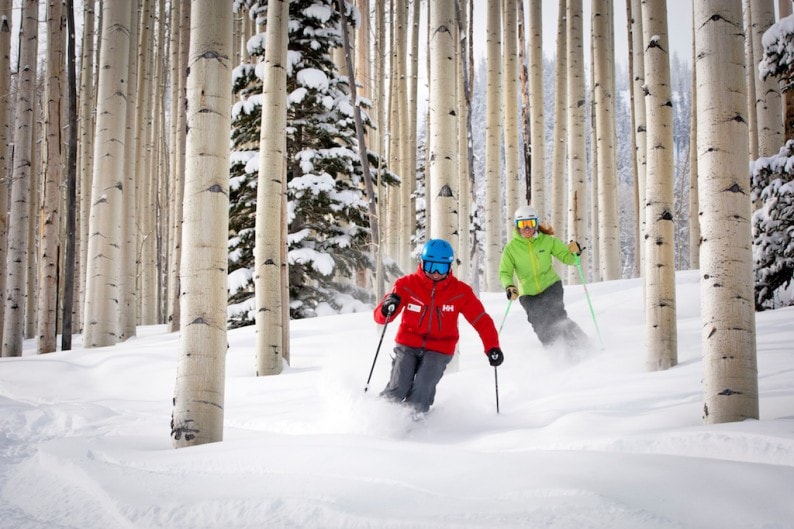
{"points": [[493, 156], [128, 311], [752, 114], [143, 234], [70, 186], [604, 92], [637, 57], [465, 167], [199, 395], [178, 167], [660, 306], [536, 113], [5, 141], [50, 216], [21, 176], [514, 181], [559, 150], [728, 337], [104, 259], [694, 206], [271, 197], [769, 111], [577, 199], [442, 159], [85, 164]]}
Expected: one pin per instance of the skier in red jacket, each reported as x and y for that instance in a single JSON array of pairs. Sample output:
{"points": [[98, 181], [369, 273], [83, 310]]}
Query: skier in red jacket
{"points": [[430, 300]]}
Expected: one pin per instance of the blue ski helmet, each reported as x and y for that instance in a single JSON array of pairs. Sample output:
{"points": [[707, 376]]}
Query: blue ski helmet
{"points": [[437, 251]]}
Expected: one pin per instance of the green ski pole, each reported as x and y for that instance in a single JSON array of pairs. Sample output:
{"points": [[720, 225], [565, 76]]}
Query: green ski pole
{"points": [[587, 295]]}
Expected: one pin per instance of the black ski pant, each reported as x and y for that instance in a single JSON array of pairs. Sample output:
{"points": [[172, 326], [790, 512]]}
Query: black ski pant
{"points": [[546, 313], [414, 376]]}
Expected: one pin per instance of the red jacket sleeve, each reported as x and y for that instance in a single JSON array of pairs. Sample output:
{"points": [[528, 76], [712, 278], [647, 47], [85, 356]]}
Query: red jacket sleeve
{"points": [[481, 321]]}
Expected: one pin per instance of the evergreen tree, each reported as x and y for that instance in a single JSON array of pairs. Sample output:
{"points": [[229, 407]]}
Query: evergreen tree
{"points": [[328, 225], [773, 228]]}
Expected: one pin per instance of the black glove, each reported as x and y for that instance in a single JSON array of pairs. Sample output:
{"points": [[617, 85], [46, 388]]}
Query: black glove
{"points": [[495, 356], [512, 293], [575, 248], [390, 305]]}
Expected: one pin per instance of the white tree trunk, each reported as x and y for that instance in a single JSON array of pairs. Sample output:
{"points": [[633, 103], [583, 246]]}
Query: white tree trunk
{"points": [[660, 307], [493, 155], [577, 199], [128, 314], [53, 163], [5, 145], [694, 203], [271, 198], [769, 109], [640, 128], [103, 277], [537, 116], [604, 89], [514, 177], [19, 216], [443, 156], [199, 396], [178, 165], [85, 162], [730, 373], [559, 148], [464, 120]]}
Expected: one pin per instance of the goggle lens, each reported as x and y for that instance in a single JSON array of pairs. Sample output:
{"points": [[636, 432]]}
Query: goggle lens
{"points": [[435, 268], [526, 223]]}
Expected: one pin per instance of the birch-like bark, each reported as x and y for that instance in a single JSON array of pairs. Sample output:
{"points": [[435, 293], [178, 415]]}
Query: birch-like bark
{"points": [[493, 156], [5, 145], [514, 178], [21, 176], [442, 159], [694, 203], [199, 395], [465, 167], [604, 91], [85, 164], [728, 337], [50, 215], [271, 197], [537, 116], [103, 277], [128, 312], [769, 109], [559, 148], [750, 72], [660, 299], [577, 189], [178, 167], [640, 128]]}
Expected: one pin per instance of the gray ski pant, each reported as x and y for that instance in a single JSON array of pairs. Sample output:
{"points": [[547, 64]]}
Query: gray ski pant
{"points": [[414, 376]]}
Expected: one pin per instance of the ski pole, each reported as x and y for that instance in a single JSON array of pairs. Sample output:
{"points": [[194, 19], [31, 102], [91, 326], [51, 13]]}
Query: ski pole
{"points": [[496, 386], [378, 349], [509, 303], [587, 295], [495, 376]]}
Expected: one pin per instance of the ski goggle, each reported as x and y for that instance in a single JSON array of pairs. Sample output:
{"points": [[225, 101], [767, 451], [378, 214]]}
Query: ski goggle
{"points": [[431, 267], [526, 223]]}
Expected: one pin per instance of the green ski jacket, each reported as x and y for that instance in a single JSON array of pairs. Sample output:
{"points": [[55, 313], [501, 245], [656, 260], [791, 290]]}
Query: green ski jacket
{"points": [[529, 260]]}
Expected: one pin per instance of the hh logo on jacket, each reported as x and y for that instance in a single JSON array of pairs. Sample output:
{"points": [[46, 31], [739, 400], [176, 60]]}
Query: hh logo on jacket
{"points": [[448, 308]]}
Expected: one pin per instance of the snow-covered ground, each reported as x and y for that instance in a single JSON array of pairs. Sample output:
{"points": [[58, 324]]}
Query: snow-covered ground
{"points": [[592, 442]]}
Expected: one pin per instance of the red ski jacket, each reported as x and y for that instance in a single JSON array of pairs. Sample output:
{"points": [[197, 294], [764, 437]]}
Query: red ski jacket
{"points": [[430, 313]]}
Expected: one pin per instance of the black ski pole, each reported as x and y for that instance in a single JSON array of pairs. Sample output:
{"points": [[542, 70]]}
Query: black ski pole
{"points": [[496, 386], [378, 349]]}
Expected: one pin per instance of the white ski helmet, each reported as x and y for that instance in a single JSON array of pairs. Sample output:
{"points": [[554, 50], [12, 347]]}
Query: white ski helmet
{"points": [[524, 213]]}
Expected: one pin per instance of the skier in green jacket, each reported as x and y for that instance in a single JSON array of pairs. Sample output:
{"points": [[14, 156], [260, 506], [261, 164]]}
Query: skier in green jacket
{"points": [[527, 262]]}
